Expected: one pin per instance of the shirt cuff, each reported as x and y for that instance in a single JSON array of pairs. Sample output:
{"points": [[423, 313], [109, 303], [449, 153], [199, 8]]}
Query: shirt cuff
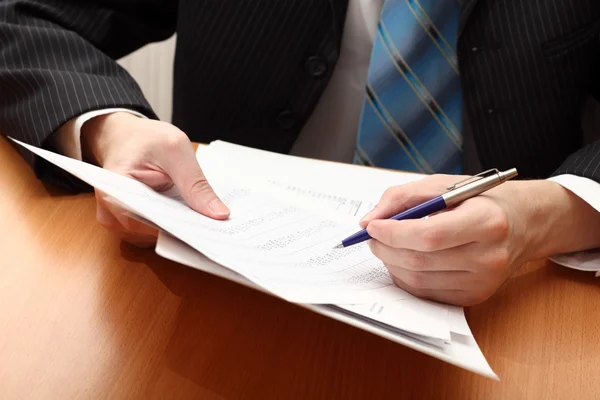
{"points": [[67, 139], [589, 191]]}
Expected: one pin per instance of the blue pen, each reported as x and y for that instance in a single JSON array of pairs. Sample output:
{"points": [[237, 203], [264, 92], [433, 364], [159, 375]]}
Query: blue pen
{"points": [[457, 193]]}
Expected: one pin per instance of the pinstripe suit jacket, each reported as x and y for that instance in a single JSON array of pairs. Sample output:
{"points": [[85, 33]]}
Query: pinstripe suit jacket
{"points": [[251, 72]]}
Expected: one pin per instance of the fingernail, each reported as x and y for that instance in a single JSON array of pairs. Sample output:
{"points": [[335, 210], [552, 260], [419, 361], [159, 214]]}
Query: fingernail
{"points": [[218, 207]]}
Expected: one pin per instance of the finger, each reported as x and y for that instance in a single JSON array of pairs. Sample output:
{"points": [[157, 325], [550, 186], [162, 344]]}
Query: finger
{"points": [[104, 215], [487, 262], [133, 226], [141, 241], [179, 161], [470, 222], [434, 280], [461, 258], [142, 220], [461, 298], [400, 198], [113, 216], [108, 220]]}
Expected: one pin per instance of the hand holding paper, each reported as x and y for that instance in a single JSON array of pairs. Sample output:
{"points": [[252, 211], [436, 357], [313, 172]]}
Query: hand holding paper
{"points": [[154, 153], [464, 254]]}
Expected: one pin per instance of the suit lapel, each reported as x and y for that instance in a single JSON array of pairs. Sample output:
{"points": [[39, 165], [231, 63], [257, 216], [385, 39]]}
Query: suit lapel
{"points": [[467, 7]]}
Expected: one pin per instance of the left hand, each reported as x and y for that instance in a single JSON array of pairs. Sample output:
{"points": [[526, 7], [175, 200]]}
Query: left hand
{"points": [[154, 153], [464, 254]]}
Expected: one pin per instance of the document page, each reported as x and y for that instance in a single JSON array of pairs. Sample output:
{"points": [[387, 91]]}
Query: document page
{"points": [[410, 313], [280, 247]]}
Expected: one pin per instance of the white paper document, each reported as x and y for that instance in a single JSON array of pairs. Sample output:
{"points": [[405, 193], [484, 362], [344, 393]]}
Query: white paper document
{"points": [[287, 214], [460, 349]]}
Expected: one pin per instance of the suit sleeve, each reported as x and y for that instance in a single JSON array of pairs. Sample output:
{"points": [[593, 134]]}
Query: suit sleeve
{"points": [[57, 61], [584, 163]]}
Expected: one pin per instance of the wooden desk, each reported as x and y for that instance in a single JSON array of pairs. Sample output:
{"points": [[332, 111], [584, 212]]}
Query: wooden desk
{"points": [[83, 316]]}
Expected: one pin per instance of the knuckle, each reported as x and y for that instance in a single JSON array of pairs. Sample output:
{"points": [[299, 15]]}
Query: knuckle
{"points": [[498, 224], [416, 279], [390, 191], [394, 193], [414, 260], [432, 239], [175, 140], [200, 187]]}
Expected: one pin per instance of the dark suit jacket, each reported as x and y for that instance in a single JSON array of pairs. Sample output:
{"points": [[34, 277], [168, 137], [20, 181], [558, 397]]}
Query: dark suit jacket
{"points": [[251, 72]]}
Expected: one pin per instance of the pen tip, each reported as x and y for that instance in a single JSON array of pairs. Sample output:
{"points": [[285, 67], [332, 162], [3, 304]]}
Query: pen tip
{"points": [[340, 245]]}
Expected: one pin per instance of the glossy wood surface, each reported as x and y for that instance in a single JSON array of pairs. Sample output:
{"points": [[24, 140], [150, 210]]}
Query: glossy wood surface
{"points": [[83, 316]]}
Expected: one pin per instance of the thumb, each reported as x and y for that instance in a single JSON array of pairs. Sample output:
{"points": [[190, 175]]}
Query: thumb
{"points": [[184, 170], [400, 198]]}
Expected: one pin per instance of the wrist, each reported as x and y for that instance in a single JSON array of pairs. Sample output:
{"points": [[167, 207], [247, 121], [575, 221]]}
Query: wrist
{"points": [[558, 221], [99, 134]]}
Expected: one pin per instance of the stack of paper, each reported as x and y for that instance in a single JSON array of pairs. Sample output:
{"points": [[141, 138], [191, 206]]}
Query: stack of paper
{"points": [[287, 213]]}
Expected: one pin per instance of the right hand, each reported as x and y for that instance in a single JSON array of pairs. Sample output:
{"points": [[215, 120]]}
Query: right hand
{"points": [[153, 152]]}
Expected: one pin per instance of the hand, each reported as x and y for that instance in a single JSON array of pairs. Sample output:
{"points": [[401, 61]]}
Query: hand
{"points": [[463, 255], [152, 152]]}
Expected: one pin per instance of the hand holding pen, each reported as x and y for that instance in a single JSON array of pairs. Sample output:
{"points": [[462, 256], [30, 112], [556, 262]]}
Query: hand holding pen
{"points": [[485, 231], [457, 193], [475, 236], [478, 232]]}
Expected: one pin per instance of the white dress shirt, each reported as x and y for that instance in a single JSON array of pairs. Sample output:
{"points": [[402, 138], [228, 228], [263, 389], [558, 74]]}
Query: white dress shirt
{"points": [[338, 113]]}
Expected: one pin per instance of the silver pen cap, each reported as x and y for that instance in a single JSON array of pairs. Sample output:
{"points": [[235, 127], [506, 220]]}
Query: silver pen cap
{"points": [[477, 184]]}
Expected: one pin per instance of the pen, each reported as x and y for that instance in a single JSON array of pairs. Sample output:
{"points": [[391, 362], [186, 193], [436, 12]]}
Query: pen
{"points": [[457, 193]]}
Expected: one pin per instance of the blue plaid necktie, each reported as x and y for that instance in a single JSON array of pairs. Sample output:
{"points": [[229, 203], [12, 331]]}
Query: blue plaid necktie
{"points": [[412, 115]]}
